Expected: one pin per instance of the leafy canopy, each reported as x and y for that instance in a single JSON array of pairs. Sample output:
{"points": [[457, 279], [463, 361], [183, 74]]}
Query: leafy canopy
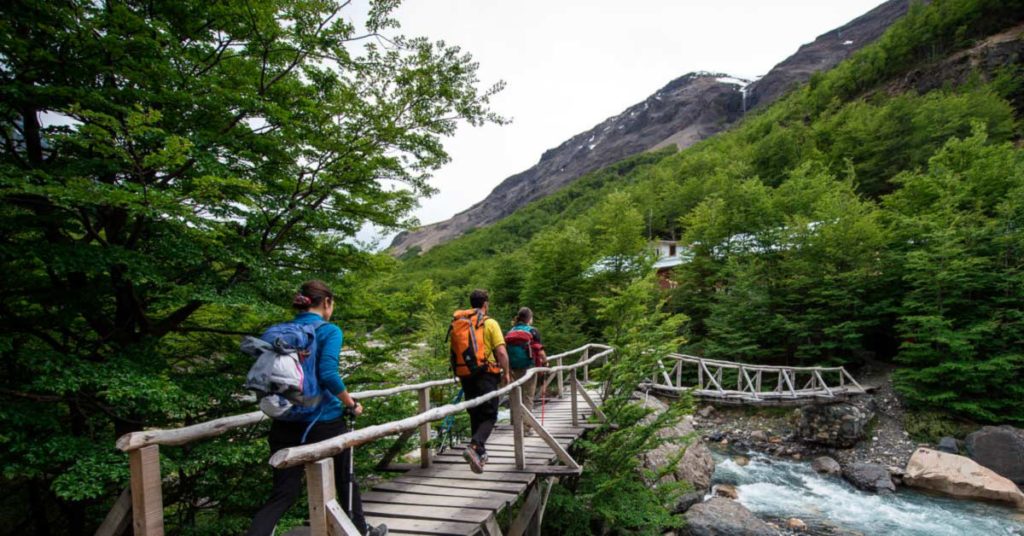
{"points": [[168, 172]]}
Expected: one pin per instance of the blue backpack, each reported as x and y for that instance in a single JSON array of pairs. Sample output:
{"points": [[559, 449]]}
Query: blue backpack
{"points": [[284, 376]]}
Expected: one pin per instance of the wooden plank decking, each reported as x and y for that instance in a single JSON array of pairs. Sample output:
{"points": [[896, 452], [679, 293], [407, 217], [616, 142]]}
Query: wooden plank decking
{"points": [[449, 499]]}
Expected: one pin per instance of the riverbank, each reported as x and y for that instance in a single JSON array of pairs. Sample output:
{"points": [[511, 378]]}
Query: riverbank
{"points": [[775, 430], [779, 490]]}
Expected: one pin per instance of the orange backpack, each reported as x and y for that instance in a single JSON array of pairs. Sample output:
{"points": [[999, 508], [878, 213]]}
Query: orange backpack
{"points": [[468, 354]]}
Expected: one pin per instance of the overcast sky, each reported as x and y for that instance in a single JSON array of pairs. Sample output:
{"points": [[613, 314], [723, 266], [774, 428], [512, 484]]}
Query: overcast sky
{"points": [[569, 64]]}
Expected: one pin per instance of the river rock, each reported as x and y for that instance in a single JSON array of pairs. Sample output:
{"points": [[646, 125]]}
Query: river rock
{"points": [[871, 477], [687, 500], [723, 517], [1001, 449], [727, 491], [948, 444], [741, 461], [796, 524], [706, 412], [696, 467], [835, 425], [959, 476], [758, 435], [826, 465]]}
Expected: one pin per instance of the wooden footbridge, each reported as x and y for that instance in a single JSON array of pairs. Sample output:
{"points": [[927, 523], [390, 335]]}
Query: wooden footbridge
{"points": [[713, 380], [438, 496]]}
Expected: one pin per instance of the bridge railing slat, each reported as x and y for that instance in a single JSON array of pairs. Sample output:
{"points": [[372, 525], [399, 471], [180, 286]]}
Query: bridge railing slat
{"points": [[709, 380], [329, 447]]}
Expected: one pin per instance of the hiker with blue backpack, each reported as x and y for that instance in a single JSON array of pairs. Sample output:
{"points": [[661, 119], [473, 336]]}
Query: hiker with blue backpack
{"points": [[525, 351], [296, 377]]}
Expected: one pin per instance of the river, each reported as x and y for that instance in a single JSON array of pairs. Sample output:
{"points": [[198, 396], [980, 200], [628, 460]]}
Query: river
{"points": [[779, 489]]}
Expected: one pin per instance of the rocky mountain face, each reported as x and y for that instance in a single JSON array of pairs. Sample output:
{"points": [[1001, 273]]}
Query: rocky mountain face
{"points": [[687, 110], [825, 52]]}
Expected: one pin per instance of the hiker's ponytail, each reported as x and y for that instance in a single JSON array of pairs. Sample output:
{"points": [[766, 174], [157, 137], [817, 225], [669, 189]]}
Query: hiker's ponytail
{"points": [[312, 294], [524, 316]]}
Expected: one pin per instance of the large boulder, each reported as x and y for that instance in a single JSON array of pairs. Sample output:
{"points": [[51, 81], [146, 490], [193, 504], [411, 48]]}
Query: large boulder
{"points": [[695, 466], [835, 425], [959, 476], [871, 477], [724, 517], [1001, 449]]}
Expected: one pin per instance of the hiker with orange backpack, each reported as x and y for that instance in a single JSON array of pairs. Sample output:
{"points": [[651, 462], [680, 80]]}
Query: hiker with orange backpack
{"points": [[479, 359], [525, 351]]}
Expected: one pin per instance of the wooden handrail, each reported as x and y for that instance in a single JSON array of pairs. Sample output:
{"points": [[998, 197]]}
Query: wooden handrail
{"points": [[293, 456], [205, 430], [748, 378], [748, 366]]}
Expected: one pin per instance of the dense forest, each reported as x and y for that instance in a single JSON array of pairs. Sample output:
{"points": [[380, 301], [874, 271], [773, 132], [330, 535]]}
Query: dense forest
{"points": [[853, 220], [207, 157], [857, 220]]}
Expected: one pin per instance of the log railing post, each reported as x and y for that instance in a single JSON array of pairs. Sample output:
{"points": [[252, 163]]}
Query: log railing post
{"points": [[326, 516], [424, 395], [320, 484], [574, 403], [516, 408], [586, 368], [561, 379], [147, 498]]}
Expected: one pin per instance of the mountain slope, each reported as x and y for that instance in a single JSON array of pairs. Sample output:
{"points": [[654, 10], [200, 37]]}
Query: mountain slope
{"points": [[685, 111], [697, 103]]}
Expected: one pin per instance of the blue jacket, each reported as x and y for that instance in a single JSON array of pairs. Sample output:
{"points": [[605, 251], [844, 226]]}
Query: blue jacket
{"points": [[328, 348]]}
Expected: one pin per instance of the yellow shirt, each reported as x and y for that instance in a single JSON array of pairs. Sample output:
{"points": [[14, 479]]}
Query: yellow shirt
{"points": [[493, 338]]}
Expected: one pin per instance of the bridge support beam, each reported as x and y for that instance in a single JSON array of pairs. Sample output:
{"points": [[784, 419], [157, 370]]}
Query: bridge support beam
{"points": [[574, 402], [515, 405], [424, 399], [326, 517], [527, 522], [147, 496]]}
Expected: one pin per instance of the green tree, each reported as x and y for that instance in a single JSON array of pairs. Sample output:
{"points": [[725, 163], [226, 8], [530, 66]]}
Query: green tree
{"points": [[613, 495], [169, 171], [960, 317], [558, 261]]}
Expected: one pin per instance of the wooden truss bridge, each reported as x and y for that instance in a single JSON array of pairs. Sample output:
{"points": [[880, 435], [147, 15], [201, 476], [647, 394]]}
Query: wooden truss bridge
{"points": [[439, 495], [730, 382]]}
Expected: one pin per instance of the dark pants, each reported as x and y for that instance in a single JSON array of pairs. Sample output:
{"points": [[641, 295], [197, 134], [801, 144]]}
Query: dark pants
{"points": [[288, 482], [483, 417]]}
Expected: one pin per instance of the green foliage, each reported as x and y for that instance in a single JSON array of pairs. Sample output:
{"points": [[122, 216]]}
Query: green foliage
{"points": [[844, 222], [614, 494], [961, 321], [931, 426], [197, 161]]}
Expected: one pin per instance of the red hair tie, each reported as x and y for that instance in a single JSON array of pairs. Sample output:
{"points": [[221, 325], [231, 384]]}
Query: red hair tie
{"points": [[303, 300]]}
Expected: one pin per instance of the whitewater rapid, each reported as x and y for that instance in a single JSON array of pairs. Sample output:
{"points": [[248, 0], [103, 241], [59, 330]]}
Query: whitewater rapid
{"points": [[778, 489]]}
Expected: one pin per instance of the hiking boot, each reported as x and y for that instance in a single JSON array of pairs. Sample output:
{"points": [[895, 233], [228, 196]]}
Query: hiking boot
{"points": [[379, 530], [475, 459]]}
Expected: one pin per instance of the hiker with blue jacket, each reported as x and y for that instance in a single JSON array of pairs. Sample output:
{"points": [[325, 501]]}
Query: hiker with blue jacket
{"points": [[525, 351], [324, 420]]}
